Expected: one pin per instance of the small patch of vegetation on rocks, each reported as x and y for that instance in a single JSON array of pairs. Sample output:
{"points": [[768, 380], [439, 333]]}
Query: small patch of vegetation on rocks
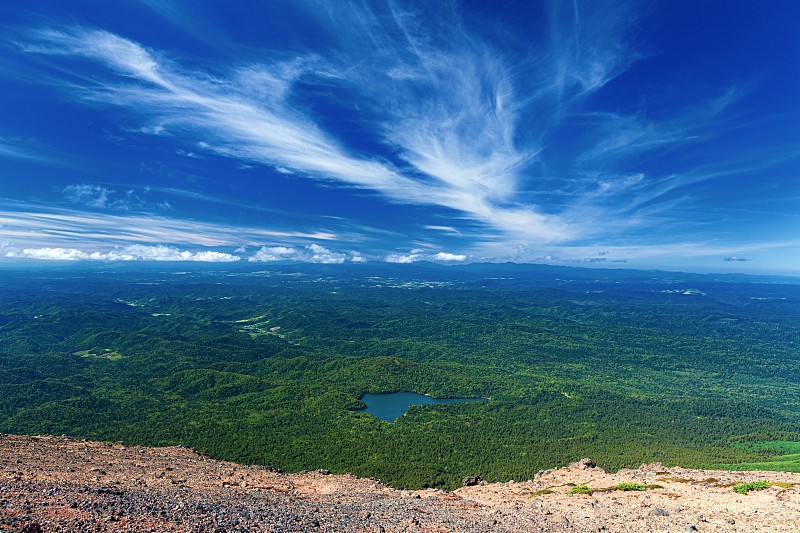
{"points": [[627, 486], [630, 486], [579, 489], [783, 484], [744, 488]]}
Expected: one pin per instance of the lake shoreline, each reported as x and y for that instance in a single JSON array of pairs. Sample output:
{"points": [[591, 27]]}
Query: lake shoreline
{"points": [[392, 405]]}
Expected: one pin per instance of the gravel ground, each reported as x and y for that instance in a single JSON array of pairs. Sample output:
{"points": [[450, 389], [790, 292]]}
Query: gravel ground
{"points": [[58, 484]]}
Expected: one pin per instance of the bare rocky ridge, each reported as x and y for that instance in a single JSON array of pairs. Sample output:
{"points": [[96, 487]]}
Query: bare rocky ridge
{"points": [[59, 484]]}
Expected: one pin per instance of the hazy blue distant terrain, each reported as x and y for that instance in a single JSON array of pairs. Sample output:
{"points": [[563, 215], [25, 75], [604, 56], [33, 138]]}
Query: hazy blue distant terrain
{"points": [[267, 365]]}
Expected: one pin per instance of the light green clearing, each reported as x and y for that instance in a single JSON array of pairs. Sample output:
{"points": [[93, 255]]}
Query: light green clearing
{"points": [[107, 353], [786, 458], [261, 328], [255, 319], [784, 463], [783, 446]]}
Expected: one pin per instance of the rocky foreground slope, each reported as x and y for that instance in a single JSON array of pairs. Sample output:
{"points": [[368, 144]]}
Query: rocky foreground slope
{"points": [[58, 484]]}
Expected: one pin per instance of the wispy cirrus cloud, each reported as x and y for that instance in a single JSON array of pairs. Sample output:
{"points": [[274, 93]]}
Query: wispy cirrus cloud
{"points": [[89, 195], [468, 127], [19, 149], [33, 226], [450, 230], [459, 154], [8, 149], [583, 57], [99, 197]]}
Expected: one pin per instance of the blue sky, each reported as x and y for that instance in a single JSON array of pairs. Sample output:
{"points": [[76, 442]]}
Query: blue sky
{"points": [[630, 134]]}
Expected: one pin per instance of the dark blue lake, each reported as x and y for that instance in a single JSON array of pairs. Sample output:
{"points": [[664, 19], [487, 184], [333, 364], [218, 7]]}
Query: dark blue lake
{"points": [[392, 406]]}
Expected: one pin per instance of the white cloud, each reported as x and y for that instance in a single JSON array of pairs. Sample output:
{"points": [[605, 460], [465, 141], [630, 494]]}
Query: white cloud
{"points": [[274, 253], [446, 256], [128, 253], [403, 258], [312, 253], [320, 254], [168, 253], [214, 257], [420, 255], [49, 254]]}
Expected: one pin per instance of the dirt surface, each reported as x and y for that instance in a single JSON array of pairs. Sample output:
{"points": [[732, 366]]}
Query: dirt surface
{"points": [[58, 484]]}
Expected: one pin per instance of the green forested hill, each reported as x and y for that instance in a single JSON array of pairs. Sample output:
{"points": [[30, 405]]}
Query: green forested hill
{"points": [[268, 366]]}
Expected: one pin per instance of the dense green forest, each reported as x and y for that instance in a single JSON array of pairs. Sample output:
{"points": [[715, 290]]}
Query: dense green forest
{"points": [[267, 366]]}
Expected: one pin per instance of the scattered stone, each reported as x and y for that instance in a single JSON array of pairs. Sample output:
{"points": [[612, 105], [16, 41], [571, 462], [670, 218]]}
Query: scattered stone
{"points": [[658, 511], [471, 481], [583, 464]]}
